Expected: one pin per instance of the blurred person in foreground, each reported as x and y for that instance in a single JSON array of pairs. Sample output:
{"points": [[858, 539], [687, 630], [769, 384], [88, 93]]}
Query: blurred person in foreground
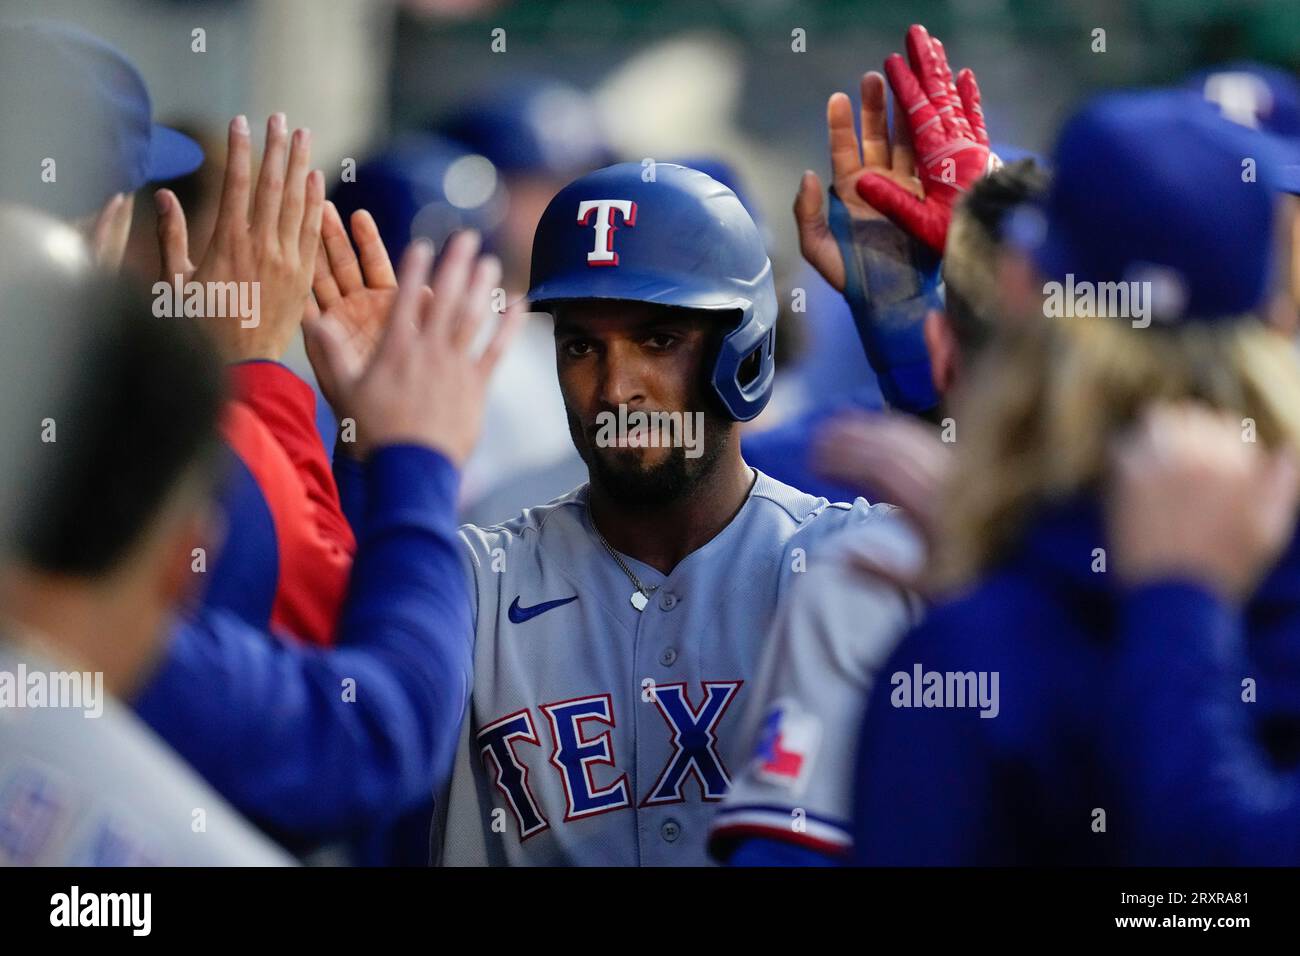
{"points": [[98, 565], [1157, 273]]}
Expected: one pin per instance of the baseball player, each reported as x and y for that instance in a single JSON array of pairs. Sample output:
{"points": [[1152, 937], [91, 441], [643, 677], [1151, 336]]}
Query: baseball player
{"points": [[618, 628]]}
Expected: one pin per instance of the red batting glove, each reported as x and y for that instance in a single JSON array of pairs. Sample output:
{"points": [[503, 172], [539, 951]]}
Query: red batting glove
{"points": [[952, 146]]}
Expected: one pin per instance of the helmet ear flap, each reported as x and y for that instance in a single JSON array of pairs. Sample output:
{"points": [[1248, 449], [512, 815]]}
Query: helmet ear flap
{"points": [[751, 366], [746, 367]]}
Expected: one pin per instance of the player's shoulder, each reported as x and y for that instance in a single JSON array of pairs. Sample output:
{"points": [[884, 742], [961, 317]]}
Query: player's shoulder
{"points": [[529, 528], [817, 519], [882, 538]]}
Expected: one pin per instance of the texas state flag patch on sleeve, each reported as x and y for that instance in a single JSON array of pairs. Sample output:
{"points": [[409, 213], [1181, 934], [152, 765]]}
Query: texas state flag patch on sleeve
{"points": [[786, 745]]}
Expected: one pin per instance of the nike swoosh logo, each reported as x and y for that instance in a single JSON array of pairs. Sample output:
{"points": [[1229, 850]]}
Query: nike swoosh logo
{"points": [[520, 614]]}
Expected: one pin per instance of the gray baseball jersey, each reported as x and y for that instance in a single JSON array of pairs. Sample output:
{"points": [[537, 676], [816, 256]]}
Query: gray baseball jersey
{"points": [[79, 790], [835, 630], [598, 734]]}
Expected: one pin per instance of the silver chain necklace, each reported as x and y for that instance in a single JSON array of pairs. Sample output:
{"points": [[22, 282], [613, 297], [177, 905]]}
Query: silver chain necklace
{"points": [[641, 596]]}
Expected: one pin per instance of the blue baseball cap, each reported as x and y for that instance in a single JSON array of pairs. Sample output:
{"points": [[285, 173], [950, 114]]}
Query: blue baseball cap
{"points": [[424, 186], [1154, 186], [1263, 98], [70, 97]]}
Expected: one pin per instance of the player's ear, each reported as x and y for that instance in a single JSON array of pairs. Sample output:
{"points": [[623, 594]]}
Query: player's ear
{"points": [[941, 344]]}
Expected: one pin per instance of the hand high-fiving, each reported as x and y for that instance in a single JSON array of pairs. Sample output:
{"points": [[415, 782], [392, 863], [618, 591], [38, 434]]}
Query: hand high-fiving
{"points": [[271, 250], [420, 382], [357, 292], [915, 176], [947, 131]]}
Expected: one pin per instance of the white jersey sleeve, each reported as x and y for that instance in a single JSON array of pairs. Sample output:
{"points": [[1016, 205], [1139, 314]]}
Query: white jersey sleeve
{"points": [[834, 630]]}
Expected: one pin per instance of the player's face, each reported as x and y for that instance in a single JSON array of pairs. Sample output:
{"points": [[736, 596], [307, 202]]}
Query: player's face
{"points": [[647, 359]]}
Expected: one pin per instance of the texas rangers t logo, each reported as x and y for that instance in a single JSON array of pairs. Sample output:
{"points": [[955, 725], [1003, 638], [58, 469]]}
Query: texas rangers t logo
{"points": [[604, 254]]}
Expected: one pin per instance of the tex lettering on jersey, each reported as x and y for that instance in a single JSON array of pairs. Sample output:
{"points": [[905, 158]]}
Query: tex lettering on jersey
{"points": [[582, 737]]}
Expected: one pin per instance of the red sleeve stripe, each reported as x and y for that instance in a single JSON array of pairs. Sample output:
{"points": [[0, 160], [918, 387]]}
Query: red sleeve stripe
{"points": [[815, 834]]}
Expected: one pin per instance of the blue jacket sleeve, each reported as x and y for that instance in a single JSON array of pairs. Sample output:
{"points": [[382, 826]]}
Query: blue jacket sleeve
{"points": [[244, 578], [319, 744], [349, 479], [891, 281], [1197, 785]]}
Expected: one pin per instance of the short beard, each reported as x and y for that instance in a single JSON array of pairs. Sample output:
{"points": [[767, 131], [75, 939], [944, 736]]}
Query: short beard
{"points": [[676, 478]]}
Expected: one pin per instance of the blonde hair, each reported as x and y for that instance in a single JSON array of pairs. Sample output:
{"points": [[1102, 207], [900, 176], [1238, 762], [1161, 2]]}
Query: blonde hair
{"points": [[1050, 395]]}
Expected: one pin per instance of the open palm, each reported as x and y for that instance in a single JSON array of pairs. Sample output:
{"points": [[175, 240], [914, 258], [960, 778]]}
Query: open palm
{"points": [[357, 287]]}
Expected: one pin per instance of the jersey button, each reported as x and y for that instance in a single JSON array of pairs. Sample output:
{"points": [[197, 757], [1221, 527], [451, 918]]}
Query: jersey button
{"points": [[668, 657], [670, 831], [668, 601]]}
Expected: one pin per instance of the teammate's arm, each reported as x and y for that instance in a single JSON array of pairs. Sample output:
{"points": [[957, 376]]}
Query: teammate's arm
{"points": [[888, 279], [287, 406], [317, 743], [791, 804], [352, 490]]}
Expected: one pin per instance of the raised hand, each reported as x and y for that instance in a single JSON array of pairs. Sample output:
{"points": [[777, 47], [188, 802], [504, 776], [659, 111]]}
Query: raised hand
{"points": [[422, 383], [947, 133], [357, 292], [270, 254], [850, 160]]}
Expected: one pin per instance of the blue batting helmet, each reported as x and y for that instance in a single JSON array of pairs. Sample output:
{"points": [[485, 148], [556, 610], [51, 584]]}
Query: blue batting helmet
{"points": [[671, 236]]}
